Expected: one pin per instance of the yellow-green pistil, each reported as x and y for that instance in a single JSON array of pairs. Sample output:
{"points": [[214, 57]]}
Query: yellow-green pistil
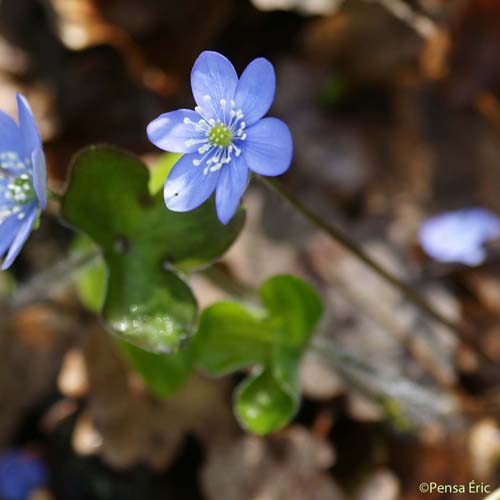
{"points": [[21, 190], [220, 135]]}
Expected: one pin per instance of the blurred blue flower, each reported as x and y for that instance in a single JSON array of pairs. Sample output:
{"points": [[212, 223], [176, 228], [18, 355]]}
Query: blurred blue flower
{"points": [[20, 474], [23, 180], [459, 236], [224, 137]]}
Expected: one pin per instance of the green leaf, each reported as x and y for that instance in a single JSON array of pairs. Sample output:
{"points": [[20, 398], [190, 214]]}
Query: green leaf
{"points": [[231, 337], [7, 284], [295, 302], [91, 279], [145, 247], [272, 339], [262, 405], [150, 307], [163, 374], [160, 171]]}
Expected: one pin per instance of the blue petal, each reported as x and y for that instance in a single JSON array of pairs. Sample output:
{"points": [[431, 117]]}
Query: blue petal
{"points": [[21, 473], [231, 185], [21, 236], [255, 90], [268, 148], [170, 133], [213, 78], [459, 236], [27, 125], [186, 187], [39, 176], [10, 137], [8, 230]]}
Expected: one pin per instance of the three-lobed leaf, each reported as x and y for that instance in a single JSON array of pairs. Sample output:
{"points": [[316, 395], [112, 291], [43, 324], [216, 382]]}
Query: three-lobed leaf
{"points": [[163, 374], [271, 340], [145, 246], [147, 302]]}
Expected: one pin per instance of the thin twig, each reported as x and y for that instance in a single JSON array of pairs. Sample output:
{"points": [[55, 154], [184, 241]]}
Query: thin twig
{"points": [[42, 285], [369, 381], [407, 335], [486, 103], [421, 24]]}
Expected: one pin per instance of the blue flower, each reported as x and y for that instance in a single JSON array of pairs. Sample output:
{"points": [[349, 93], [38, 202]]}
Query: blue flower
{"points": [[20, 475], [23, 180], [459, 236], [224, 137]]}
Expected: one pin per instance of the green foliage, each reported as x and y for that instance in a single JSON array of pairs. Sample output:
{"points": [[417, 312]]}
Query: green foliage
{"points": [[160, 171], [138, 286], [334, 89], [232, 337], [163, 374], [272, 341], [263, 405], [145, 247], [7, 284], [90, 279]]}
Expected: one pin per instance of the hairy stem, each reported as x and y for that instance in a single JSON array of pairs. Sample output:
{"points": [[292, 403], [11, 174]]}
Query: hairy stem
{"points": [[340, 237]]}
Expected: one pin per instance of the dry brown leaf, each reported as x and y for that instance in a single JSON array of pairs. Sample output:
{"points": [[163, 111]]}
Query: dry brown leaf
{"points": [[381, 484], [136, 427], [33, 341], [290, 465]]}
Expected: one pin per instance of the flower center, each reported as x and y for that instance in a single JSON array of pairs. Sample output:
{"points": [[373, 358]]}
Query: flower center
{"points": [[220, 135], [20, 190], [16, 185], [223, 136]]}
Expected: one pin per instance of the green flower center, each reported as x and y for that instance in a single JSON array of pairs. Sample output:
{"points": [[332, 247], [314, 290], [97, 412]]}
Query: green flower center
{"points": [[21, 190], [220, 135]]}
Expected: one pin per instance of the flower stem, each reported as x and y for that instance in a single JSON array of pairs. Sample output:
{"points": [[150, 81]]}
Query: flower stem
{"points": [[340, 237], [55, 196]]}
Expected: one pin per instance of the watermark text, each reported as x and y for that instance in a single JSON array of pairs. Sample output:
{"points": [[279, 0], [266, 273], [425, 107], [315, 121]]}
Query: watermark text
{"points": [[470, 487]]}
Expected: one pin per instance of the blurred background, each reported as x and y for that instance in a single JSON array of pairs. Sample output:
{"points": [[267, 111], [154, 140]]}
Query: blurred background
{"points": [[395, 111]]}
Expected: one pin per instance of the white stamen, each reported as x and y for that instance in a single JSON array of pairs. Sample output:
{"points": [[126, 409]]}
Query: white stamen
{"points": [[17, 188], [213, 146], [203, 149]]}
